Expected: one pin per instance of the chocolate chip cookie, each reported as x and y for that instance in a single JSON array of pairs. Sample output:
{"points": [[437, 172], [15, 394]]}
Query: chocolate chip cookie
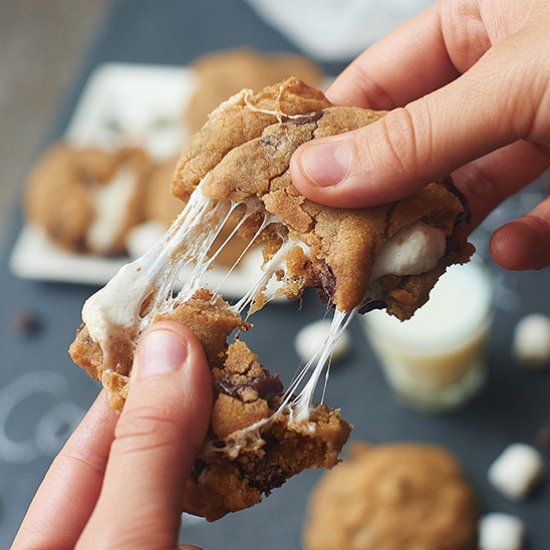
{"points": [[393, 497], [253, 445]]}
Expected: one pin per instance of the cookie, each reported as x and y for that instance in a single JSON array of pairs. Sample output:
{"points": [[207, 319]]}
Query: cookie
{"points": [[235, 170], [393, 497], [219, 75], [237, 465], [243, 153], [87, 199]]}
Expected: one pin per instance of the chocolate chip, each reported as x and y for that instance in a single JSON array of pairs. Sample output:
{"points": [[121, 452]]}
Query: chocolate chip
{"points": [[304, 119], [218, 444], [198, 467], [27, 321], [328, 281], [270, 139], [266, 385]]}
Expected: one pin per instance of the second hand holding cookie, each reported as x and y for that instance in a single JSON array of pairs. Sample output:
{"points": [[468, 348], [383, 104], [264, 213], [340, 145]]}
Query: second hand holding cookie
{"points": [[484, 67]]}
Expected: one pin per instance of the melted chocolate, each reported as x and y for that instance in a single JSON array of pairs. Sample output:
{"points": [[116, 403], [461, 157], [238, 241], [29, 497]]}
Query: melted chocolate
{"points": [[304, 119], [373, 304], [267, 386], [198, 466]]}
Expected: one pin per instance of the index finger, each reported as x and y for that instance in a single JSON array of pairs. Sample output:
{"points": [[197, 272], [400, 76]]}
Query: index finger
{"points": [[408, 63], [69, 492]]}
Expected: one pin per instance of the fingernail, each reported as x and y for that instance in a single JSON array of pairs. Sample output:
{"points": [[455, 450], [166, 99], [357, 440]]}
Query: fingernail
{"points": [[326, 164], [159, 352]]}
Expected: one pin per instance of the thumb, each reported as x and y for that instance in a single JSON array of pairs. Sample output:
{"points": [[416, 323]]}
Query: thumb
{"points": [[157, 437], [489, 106]]}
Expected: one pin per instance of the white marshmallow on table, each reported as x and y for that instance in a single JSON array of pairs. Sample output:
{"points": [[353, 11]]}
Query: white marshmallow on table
{"points": [[310, 339], [515, 472], [500, 532], [532, 340]]}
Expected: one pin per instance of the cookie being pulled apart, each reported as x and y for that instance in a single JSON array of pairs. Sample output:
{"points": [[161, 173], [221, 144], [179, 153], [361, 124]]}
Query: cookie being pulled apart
{"points": [[235, 170], [385, 256], [254, 444]]}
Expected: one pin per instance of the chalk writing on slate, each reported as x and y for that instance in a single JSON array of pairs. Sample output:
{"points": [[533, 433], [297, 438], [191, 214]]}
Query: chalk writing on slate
{"points": [[51, 427]]}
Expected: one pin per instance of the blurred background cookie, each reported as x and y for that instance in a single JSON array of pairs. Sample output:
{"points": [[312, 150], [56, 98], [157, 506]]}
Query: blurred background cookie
{"points": [[159, 204], [392, 497], [87, 199], [221, 74]]}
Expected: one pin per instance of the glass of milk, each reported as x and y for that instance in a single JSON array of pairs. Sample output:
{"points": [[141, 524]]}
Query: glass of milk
{"points": [[435, 361]]}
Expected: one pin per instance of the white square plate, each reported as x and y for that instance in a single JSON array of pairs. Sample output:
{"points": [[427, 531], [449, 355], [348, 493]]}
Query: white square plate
{"points": [[140, 104]]}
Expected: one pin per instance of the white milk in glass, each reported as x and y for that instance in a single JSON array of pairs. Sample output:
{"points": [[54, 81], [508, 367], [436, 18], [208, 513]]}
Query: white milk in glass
{"points": [[436, 359]]}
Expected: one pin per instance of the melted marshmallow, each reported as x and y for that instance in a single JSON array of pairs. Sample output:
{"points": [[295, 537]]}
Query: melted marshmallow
{"points": [[412, 250], [118, 305]]}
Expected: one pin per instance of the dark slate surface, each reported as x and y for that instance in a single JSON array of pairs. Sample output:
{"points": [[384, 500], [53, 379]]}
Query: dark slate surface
{"points": [[43, 393]]}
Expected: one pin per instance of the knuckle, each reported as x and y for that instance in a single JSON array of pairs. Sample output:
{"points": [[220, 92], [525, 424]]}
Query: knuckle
{"points": [[483, 192], [88, 458], [146, 428], [527, 104], [373, 92], [542, 226], [399, 140]]}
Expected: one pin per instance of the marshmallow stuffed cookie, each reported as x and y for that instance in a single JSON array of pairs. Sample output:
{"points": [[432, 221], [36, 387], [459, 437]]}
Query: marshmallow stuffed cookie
{"points": [[236, 168]]}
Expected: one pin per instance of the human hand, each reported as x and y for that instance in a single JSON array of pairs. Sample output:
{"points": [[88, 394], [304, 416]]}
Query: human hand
{"points": [[485, 67], [119, 481]]}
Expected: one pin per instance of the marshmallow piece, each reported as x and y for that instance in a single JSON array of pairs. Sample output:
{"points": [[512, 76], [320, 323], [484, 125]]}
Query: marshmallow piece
{"points": [[532, 341], [311, 338], [516, 470], [414, 249], [500, 532]]}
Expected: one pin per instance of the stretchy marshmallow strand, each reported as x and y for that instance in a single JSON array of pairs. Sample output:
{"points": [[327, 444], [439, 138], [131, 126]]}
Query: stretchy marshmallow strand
{"points": [[532, 341], [516, 471], [500, 532]]}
